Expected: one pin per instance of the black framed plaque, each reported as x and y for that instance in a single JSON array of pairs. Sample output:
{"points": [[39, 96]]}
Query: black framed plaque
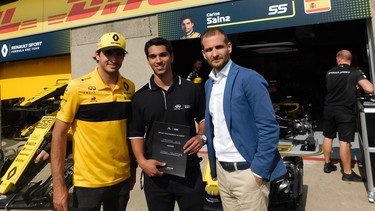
{"points": [[168, 141]]}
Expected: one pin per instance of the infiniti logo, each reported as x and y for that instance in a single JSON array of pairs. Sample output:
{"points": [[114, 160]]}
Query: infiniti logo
{"points": [[178, 107], [4, 50]]}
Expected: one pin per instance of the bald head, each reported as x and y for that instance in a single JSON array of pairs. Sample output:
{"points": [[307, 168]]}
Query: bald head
{"points": [[344, 57]]}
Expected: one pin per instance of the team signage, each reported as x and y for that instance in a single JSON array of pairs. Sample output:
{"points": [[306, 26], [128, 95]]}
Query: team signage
{"points": [[48, 44], [253, 15], [29, 17]]}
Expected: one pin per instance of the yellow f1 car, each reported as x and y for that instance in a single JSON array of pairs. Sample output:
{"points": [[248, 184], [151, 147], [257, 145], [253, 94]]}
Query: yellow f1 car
{"points": [[20, 116], [34, 119]]}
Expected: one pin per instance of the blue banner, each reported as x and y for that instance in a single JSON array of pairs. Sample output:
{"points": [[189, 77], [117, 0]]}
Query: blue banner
{"points": [[253, 15], [37, 46]]}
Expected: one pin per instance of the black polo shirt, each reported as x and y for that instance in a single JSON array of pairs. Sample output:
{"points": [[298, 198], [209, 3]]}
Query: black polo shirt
{"points": [[183, 103]]}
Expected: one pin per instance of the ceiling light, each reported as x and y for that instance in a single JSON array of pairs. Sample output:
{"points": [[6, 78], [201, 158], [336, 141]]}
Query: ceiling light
{"points": [[260, 45], [275, 50]]}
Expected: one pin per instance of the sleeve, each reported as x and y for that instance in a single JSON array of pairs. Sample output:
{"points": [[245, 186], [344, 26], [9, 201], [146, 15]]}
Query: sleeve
{"points": [[69, 104], [200, 104], [267, 154], [190, 76], [361, 75], [136, 121]]}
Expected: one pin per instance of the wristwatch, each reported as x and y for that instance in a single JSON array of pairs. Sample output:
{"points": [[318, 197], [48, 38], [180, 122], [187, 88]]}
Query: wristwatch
{"points": [[203, 138]]}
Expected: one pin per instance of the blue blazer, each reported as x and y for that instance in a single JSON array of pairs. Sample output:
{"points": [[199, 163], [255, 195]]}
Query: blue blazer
{"points": [[251, 122]]}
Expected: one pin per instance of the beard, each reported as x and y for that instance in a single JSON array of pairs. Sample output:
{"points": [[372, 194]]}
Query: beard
{"points": [[219, 64]]}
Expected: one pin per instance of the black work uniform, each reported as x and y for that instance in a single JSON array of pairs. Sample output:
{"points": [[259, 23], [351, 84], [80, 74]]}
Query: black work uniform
{"points": [[339, 106], [183, 103]]}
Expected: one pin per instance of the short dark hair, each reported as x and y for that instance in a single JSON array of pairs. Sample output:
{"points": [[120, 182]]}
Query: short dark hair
{"points": [[94, 57], [158, 41], [187, 17], [213, 31]]}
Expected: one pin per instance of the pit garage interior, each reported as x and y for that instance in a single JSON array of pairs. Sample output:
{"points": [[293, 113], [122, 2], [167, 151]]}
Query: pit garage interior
{"points": [[293, 59]]}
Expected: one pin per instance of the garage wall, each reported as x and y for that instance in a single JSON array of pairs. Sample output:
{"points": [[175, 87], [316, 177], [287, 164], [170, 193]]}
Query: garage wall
{"points": [[136, 32]]}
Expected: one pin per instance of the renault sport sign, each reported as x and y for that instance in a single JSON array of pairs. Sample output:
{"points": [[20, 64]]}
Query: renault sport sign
{"points": [[48, 44]]}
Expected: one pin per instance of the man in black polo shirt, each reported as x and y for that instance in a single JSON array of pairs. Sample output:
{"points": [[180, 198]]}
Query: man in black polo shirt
{"points": [[171, 99], [339, 112]]}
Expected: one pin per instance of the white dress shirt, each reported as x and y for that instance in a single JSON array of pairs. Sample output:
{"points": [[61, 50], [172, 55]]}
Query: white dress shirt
{"points": [[223, 143]]}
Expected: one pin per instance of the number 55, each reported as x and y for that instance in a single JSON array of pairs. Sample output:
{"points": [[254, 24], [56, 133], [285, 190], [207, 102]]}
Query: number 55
{"points": [[278, 9]]}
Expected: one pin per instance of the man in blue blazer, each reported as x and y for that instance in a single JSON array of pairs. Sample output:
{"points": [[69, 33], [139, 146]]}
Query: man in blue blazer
{"points": [[241, 128]]}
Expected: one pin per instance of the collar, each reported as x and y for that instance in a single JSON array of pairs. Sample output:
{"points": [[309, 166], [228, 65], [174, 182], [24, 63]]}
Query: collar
{"points": [[100, 83], [153, 86], [223, 72], [189, 34], [343, 64]]}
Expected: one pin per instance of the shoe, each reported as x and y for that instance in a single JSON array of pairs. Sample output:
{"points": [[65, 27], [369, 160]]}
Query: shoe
{"points": [[353, 177], [328, 167]]}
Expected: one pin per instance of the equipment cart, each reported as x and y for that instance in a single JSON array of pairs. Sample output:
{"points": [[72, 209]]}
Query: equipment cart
{"points": [[366, 123]]}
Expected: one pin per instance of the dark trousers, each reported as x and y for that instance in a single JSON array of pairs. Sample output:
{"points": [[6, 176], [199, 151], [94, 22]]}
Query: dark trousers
{"points": [[113, 198], [162, 192]]}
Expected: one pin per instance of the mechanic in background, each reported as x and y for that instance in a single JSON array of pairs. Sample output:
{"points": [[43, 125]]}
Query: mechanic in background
{"points": [[339, 114], [196, 73]]}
